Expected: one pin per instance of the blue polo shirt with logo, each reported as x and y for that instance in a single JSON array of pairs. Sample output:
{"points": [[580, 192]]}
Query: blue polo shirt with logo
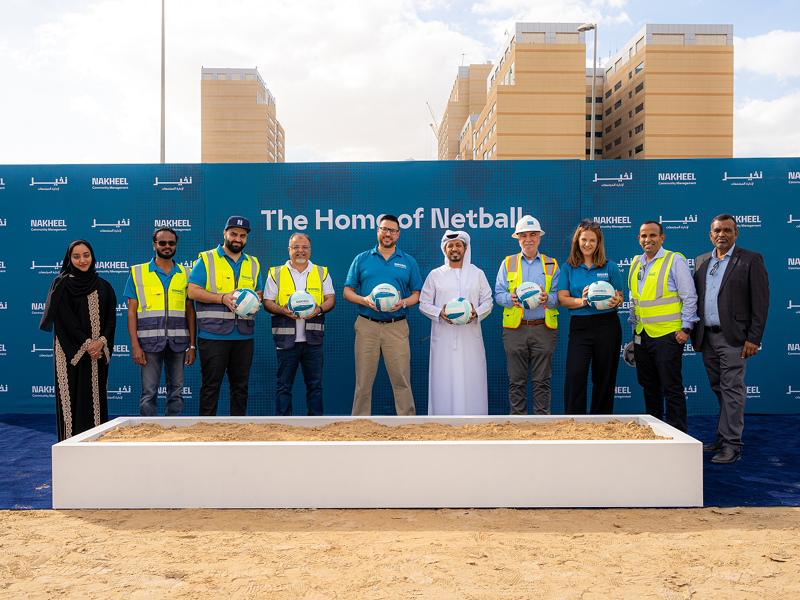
{"points": [[199, 276], [574, 279], [370, 269], [130, 286]]}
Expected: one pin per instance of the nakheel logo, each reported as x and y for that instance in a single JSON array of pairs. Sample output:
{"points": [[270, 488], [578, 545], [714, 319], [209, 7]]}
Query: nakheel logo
{"points": [[176, 224], [753, 392], [3, 305], [121, 350], [162, 392], [2, 267], [37, 308], [794, 177], [49, 186], [2, 184], [794, 307], [42, 269], [119, 392], [689, 389], [111, 227], [794, 263], [48, 225], [794, 393], [614, 221], [43, 391], [109, 183], [625, 307], [111, 266], [688, 349], [122, 309], [792, 221], [677, 179], [2, 349], [3, 388], [683, 223], [42, 352], [743, 180], [173, 186], [744, 221], [618, 181], [188, 263], [3, 222], [622, 392], [793, 349]]}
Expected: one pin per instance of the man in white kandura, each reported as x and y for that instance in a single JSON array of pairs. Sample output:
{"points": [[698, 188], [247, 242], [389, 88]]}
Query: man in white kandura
{"points": [[457, 374]]}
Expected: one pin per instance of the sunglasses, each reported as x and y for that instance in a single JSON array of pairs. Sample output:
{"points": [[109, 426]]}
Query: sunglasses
{"points": [[171, 243], [589, 223]]}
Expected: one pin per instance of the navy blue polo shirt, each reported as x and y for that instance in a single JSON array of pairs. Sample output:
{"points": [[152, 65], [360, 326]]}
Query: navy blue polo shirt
{"points": [[574, 279], [370, 269]]}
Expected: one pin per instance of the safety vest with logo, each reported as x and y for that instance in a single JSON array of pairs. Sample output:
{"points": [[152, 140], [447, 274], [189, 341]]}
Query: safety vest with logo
{"points": [[512, 317], [656, 309], [159, 318], [283, 327], [218, 318]]}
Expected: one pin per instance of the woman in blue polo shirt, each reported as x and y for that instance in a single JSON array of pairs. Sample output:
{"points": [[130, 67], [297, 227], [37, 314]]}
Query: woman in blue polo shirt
{"points": [[595, 335]]}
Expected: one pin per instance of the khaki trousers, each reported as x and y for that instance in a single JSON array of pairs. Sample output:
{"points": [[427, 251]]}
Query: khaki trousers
{"points": [[391, 340]]}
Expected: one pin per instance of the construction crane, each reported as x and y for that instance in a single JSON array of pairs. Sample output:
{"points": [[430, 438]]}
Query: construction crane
{"points": [[435, 124]]}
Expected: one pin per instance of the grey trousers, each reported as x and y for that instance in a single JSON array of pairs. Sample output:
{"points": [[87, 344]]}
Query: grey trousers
{"points": [[529, 349], [725, 368]]}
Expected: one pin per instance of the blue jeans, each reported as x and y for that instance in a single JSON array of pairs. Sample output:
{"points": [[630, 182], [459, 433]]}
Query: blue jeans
{"points": [[310, 359], [151, 376]]}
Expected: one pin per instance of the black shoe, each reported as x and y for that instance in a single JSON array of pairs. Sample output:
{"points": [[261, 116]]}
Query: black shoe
{"points": [[715, 447], [727, 456]]}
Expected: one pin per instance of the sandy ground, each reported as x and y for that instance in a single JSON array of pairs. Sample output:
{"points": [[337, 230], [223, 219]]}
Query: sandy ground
{"points": [[441, 554], [367, 430]]}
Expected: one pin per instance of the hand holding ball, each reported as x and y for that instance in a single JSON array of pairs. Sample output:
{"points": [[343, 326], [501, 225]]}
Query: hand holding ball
{"points": [[247, 302], [384, 296], [600, 295], [302, 304], [528, 294], [458, 310]]}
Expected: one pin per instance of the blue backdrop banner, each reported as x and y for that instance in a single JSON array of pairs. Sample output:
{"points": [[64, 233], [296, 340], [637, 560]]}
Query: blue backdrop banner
{"points": [[117, 207]]}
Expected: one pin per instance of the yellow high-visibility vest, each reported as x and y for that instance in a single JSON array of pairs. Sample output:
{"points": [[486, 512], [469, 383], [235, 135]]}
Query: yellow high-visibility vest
{"points": [[512, 317], [656, 310]]}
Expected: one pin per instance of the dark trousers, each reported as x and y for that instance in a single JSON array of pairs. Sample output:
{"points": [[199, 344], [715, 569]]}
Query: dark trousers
{"points": [[309, 357], [216, 358], [658, 368], [595, 340], [726, 368]]}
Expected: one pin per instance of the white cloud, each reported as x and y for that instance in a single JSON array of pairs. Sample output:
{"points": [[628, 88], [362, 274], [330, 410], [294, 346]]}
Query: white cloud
{"points": [[775, 53], [767, 128]]}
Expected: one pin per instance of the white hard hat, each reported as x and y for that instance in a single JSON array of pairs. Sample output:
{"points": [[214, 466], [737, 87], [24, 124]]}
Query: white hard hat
{"points": [[627, 355], [527, 223]]}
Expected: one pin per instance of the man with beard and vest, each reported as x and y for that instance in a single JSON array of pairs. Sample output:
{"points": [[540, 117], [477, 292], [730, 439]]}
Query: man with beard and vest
{"points": [[663, 311], [161, 323], [298, 341], [529, 334], [225, 340]]}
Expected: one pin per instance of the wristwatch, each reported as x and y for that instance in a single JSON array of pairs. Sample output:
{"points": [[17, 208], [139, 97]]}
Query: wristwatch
{"points": [[686, 330]]}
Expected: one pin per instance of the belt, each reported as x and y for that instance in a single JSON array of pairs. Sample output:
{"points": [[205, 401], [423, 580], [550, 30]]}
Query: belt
{"points": [[392, 320], [713, 328], [533, 322]]}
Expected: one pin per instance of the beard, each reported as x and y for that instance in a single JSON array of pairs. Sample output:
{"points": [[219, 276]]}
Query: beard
{"points": [[165, 252], [228, 245]]}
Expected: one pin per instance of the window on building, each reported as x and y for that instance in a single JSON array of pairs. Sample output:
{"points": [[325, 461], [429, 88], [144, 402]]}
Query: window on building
{"points": [[598, 118], [608, 129], [617, 85], [608, 94], [640, 44], [588, 134], [639, 67], [639, 148], [249, 77], [639, 128], [567, 38], [608, 112], [608, 148], [617, 104], [598, 134], [208, 76], [598, 100], [668, 39], [588, 99], [639, 87], [630, 133], [235, 76], [639, 108], [588, 117], [630, 114], [598, 152], [617, 123], [710, 39], [618, 141], [630, 95]]}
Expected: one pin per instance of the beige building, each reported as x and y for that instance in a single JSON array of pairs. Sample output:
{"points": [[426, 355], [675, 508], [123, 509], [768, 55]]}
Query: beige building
{"points": [[669, 94], [466, 98], [539, 101], [238, 118]]}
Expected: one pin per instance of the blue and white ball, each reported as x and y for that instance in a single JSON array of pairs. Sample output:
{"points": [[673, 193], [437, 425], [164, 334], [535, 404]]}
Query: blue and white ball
{"points": [[528, 294], [458, 310], [247, 302], [302, 304], [384, 296], [600, 294]]}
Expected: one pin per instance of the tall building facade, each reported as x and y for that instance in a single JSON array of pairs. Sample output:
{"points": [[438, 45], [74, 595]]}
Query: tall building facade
{"points": [[238, 118], [539, 97], [466, 98]]}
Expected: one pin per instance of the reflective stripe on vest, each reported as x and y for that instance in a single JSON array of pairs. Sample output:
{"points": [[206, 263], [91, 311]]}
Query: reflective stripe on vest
{"points": [[656, 309], [160, 319], [512, 317], [218, 318], [284, 329]]}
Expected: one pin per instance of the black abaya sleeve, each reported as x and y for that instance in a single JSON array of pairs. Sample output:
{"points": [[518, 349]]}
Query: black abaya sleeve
{"points": [[69, 331], [108, 321]]}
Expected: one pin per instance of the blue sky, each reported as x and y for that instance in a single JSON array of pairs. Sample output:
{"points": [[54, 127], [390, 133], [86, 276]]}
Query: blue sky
{"points": [[351, 78]]}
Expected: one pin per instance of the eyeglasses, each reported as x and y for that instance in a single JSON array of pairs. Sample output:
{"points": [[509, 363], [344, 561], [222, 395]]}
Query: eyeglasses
{"points": [[714, 268], [589, 223], [388, 230], [296, 248], [170, 243]]}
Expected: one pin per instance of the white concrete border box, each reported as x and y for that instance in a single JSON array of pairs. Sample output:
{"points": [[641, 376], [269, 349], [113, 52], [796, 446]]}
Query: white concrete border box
{"points": [[474, 474]]}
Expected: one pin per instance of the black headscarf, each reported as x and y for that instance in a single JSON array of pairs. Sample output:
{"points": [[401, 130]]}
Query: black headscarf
{"points": [[79, 283]]}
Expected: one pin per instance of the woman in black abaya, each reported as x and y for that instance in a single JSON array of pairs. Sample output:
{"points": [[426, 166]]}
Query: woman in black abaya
{"points": [[82, 308]]}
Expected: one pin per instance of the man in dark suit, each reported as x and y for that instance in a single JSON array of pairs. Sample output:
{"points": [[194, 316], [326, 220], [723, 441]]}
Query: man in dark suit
{"points": [[733, 300]]}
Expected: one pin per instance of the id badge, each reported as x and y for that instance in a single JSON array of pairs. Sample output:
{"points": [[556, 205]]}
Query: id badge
{"points": [[637, 339]]}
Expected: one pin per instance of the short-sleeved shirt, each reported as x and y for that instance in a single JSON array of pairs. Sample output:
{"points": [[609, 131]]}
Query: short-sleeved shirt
{"points": [[370, 269], [574, 279], [198, 276], [165, 278], [299, 278]]}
